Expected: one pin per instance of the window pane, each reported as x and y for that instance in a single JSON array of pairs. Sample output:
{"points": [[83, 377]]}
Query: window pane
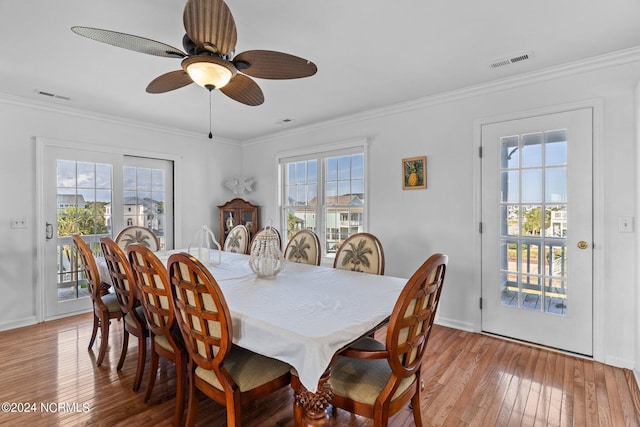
{"points": [[337, 202], [301, 172], [357, 166], [312, 171], [510, 186], [532, 186], [344, 167], [509, 152], [532, 150], [357, 187], [143, 177], [556, 185], [556, 148], [531, 220], [331, 193], [129, 176], [157, 180], [86, 175], [103, 176], [344, 192], [331, 169]]}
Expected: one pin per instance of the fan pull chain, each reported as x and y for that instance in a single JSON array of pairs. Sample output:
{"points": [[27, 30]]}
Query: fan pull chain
{"points": [[210, 134]]}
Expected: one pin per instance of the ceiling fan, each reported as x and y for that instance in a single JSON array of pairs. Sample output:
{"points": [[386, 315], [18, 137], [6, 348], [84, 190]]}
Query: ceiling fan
{"points": [[209, 58]]}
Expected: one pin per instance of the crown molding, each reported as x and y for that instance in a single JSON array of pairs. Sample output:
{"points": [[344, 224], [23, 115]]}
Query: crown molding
{"points": [[582, 66], [9, 99]]}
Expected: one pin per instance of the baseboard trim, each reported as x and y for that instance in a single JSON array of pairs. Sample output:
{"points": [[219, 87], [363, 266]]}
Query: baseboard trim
{"points": [[19, 323], [455, 324]]}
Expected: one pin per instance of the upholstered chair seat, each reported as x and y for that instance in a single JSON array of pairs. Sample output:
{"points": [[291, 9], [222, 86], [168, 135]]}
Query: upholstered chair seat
{"points": [[246, 368], [111, 301]]}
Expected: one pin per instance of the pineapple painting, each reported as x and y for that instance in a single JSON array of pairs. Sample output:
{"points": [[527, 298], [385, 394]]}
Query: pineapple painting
{"points": [[414, 173]]}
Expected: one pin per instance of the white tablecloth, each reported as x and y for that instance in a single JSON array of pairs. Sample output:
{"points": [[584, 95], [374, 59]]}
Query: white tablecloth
{"points": [[305, 314]]}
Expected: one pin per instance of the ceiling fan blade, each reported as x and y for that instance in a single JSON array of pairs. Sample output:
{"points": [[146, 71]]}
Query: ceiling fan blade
{"points": [[267, 64], [244, 89], [131, 42], [210, 25], [169, 81]]}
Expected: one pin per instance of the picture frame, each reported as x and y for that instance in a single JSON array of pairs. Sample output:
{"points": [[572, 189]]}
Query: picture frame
{"points": [[414, 173]]}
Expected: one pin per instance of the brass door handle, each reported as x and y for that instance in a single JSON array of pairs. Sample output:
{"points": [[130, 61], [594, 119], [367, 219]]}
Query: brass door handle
{"points": [[582, 244]]}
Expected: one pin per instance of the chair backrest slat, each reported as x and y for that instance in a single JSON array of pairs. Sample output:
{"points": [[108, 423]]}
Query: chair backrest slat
{"points": [[201, 311], [121, 275], [413, 315], [153, 285], [90, 269]]}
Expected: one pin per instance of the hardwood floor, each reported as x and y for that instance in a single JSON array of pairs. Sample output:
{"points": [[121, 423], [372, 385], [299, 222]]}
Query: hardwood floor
{"points": [[470, 380]]}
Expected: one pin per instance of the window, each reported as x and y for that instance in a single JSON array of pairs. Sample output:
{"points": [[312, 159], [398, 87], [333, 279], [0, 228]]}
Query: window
{"points": [[325, 192]]}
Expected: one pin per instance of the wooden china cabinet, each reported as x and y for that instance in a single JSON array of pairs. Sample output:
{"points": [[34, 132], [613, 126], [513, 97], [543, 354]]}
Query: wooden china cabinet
{"points": [[234, 212]]}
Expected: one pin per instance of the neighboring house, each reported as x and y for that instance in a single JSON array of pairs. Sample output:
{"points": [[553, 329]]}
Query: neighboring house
{"points": [[142, 212], [343, 218], [67, 200]]}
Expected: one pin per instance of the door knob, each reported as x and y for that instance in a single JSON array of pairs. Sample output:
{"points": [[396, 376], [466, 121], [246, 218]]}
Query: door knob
{"points": [[582, 244]]}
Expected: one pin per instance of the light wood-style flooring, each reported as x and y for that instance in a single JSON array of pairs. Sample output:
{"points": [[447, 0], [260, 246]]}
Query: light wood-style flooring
{"points": [[470, 380]]}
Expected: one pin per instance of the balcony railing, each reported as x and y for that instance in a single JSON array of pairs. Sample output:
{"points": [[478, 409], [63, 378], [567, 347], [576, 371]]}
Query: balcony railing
{"points": [[72, 282], [534, 274]]}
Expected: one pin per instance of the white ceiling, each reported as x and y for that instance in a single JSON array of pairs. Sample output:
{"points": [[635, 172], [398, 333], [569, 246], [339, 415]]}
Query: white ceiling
{"points": [[369, 53]]}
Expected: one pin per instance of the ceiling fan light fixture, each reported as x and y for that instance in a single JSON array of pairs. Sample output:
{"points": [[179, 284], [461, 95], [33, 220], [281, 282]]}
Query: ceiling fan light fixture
{"points": [[209, 72]]}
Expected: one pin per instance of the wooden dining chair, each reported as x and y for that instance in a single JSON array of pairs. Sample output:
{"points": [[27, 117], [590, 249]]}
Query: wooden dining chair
{"points": [[228, 374], [105, 304], [154, 289], [134, 322], [360, 252], [304, 247], [376, 380], [138, 234], [237, 240]]}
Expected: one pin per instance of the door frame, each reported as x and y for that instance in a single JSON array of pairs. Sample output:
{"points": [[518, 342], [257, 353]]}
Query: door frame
{"points": [[597, 105], [41, 143]]}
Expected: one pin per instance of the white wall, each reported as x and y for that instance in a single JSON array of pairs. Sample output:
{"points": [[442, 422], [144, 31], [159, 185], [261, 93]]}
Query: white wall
{"points": [[411, 224], [204, 166], [414, 224]]}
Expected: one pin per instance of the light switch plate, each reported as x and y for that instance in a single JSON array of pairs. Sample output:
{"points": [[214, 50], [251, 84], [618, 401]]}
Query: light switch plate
{"points": [[18, 223], [625, 224]]}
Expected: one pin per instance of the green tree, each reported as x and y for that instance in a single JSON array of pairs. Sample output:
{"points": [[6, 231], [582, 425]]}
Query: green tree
{"points": [[532, 223], [84, 221], [291, 225]]}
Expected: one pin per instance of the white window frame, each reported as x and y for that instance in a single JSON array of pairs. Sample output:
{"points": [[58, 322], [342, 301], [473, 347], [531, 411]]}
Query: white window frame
{"points": [[356, 146]]}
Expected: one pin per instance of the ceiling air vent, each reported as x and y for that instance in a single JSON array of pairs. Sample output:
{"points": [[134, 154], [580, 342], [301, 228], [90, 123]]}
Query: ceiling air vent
{"points": [[51, 95], [512, 60]]}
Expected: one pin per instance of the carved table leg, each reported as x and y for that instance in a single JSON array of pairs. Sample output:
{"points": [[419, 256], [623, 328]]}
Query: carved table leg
{"points": [[312, 406]]}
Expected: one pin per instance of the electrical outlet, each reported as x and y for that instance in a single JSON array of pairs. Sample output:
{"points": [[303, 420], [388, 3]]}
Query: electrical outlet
{"points": [[18, 223], [625, 224]]}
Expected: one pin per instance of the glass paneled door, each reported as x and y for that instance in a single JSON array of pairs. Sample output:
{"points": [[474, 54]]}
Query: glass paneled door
{"points": [[95, 194], [78, 191], [537, 230]]}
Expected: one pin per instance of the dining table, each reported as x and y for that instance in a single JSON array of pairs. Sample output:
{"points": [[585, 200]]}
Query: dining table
{"points": [[303, 316]]}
